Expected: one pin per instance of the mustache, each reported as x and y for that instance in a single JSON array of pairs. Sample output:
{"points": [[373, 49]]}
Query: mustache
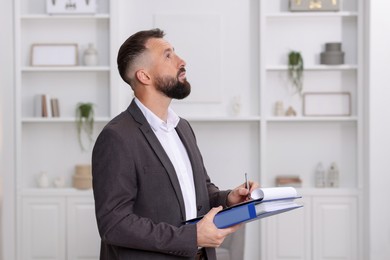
{"points": [[181, 70]]}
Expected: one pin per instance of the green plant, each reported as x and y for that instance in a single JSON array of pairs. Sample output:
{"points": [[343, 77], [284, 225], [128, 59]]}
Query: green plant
{"points": [[295, 70], [84, 122]]}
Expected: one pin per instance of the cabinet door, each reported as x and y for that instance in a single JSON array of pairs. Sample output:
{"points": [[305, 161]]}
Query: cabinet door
{"points": [[335, 228], [83, 236], [288, 234], [43, 229]]}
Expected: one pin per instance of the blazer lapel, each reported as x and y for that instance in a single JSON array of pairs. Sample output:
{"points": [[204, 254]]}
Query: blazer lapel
{"points": [[160, 152], [187, 137]]}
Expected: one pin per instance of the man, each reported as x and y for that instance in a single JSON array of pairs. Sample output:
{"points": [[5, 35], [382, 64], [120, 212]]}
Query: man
{"points": [[148, 173]]}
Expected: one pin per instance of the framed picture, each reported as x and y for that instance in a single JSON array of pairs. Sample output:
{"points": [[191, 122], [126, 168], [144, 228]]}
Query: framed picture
{"points": [[327, 104], [54, 54]]}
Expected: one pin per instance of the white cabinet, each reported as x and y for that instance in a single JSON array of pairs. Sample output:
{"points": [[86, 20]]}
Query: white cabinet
{"points": [[83, 240], [43, 229], [58, 228], [325, 228]]}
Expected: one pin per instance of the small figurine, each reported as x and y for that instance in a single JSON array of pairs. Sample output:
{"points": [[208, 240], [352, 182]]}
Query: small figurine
{"points": [[290, 111]]}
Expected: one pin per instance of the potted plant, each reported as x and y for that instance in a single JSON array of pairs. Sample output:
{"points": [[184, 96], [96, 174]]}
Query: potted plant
{"points": [[295, 70], [84, 122]]}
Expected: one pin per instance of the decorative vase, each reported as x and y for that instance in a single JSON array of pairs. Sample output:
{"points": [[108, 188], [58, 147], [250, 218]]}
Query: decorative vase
{"points": [[320, 181], [279, 108], [333, 176], [43, 180], [90, 56], [332, 54]]}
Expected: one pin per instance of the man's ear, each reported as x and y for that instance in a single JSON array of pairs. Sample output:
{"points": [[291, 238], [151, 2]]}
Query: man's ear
{"points": [[143, 77]]}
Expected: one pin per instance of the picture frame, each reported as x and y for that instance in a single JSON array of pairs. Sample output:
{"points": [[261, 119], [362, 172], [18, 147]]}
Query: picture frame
{"points": [[61, 54], [327, 104]]}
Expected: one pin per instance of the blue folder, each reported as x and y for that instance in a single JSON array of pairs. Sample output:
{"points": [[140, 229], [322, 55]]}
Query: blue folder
{"points": [[248, 211]]}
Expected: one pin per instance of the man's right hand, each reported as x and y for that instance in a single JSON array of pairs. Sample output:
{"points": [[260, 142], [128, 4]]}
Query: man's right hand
{"points": [[208, 235]]}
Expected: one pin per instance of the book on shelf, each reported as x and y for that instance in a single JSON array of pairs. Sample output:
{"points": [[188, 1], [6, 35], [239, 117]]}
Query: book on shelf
{"points": [[45, 106], [264, 202], [288, 181]]}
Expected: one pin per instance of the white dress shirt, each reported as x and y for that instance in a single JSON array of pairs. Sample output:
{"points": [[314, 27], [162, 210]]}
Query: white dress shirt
{"points": [[173, 146]]}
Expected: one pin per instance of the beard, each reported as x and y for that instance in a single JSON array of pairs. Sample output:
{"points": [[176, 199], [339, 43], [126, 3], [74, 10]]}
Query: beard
{"points": [[172, 87]]}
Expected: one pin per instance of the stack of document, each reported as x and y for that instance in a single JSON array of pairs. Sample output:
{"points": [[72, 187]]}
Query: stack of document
{"points": [[264, 202]]}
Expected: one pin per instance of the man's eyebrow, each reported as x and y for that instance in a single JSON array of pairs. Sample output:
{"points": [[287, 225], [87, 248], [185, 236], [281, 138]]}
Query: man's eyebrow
{"points": [[169, 50]]}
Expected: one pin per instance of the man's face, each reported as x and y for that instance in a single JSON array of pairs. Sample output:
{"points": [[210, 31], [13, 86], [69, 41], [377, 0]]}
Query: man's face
{"points": [[168, 69]]}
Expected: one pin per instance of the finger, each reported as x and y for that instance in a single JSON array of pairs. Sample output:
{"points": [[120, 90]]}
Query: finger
{"points": [[214, 211], [231, 229]]}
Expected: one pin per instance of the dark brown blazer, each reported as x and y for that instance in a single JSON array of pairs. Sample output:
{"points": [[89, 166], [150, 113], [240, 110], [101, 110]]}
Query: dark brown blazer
{"points": [[139, 203]]}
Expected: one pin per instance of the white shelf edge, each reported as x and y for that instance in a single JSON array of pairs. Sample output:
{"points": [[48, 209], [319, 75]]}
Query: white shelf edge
{"points": [[66, 69], [316, 67], [328, 191], [61, 17], [59, 120], [313, 119], [222, 118], [311, 14], [67, 191]]}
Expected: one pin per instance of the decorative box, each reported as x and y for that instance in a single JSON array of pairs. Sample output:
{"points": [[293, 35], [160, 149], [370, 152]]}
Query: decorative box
{"points": [[71, 6], [314, 5]]}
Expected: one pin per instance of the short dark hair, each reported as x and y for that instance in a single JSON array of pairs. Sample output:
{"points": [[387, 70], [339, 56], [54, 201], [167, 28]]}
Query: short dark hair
{"points": [[132, 48]]}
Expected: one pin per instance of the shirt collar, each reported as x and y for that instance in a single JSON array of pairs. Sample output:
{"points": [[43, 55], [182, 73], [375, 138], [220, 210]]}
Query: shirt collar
{"points": [[156, 122]]}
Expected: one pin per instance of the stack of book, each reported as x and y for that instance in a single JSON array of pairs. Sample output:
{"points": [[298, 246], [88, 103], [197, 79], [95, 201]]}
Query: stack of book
{"points": [[45, 106]]}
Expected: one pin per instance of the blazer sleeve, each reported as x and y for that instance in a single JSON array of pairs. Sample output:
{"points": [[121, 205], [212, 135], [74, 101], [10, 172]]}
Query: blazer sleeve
{"points": [[115, 192]]}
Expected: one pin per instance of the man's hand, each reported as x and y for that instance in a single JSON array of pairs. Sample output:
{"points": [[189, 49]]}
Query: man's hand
{"points": [[208, 235], [240, 194]]}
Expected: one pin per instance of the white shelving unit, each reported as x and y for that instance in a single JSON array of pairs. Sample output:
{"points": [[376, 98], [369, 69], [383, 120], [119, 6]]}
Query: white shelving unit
{"points": [[255, 141], [318, 139], [59, 223]]}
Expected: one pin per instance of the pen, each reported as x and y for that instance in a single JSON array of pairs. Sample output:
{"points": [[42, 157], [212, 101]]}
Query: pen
{"points": [[247, 185]]}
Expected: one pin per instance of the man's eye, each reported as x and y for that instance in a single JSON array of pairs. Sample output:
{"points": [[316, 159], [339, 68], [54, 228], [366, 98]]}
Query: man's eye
{"points": [[168, 56]]}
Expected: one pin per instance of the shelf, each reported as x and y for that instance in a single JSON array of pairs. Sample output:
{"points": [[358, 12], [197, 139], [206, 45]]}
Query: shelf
{"points": [[313, 119], [311, 14], [223, 119], [316, 67], [328, 191], [49, 192], [61, 17], [60, 120], [66, 69]]}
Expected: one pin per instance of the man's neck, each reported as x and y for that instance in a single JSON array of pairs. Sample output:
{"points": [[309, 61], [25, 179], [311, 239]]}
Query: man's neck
{"points": [[157, 104]]}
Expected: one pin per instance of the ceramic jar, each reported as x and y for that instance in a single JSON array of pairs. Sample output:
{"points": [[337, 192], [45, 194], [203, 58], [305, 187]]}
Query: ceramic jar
{"points": [[90, 56]]}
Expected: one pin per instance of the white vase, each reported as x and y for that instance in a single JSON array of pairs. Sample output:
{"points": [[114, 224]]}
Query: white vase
{"points": [[43, 180], [90, 56]]}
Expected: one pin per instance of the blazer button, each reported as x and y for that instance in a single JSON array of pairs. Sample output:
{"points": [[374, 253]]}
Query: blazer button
{"points": [[199, 208]]}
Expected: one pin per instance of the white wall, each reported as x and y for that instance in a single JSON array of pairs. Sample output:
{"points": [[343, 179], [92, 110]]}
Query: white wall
{"points": [[7, 149], [379, 130]]}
